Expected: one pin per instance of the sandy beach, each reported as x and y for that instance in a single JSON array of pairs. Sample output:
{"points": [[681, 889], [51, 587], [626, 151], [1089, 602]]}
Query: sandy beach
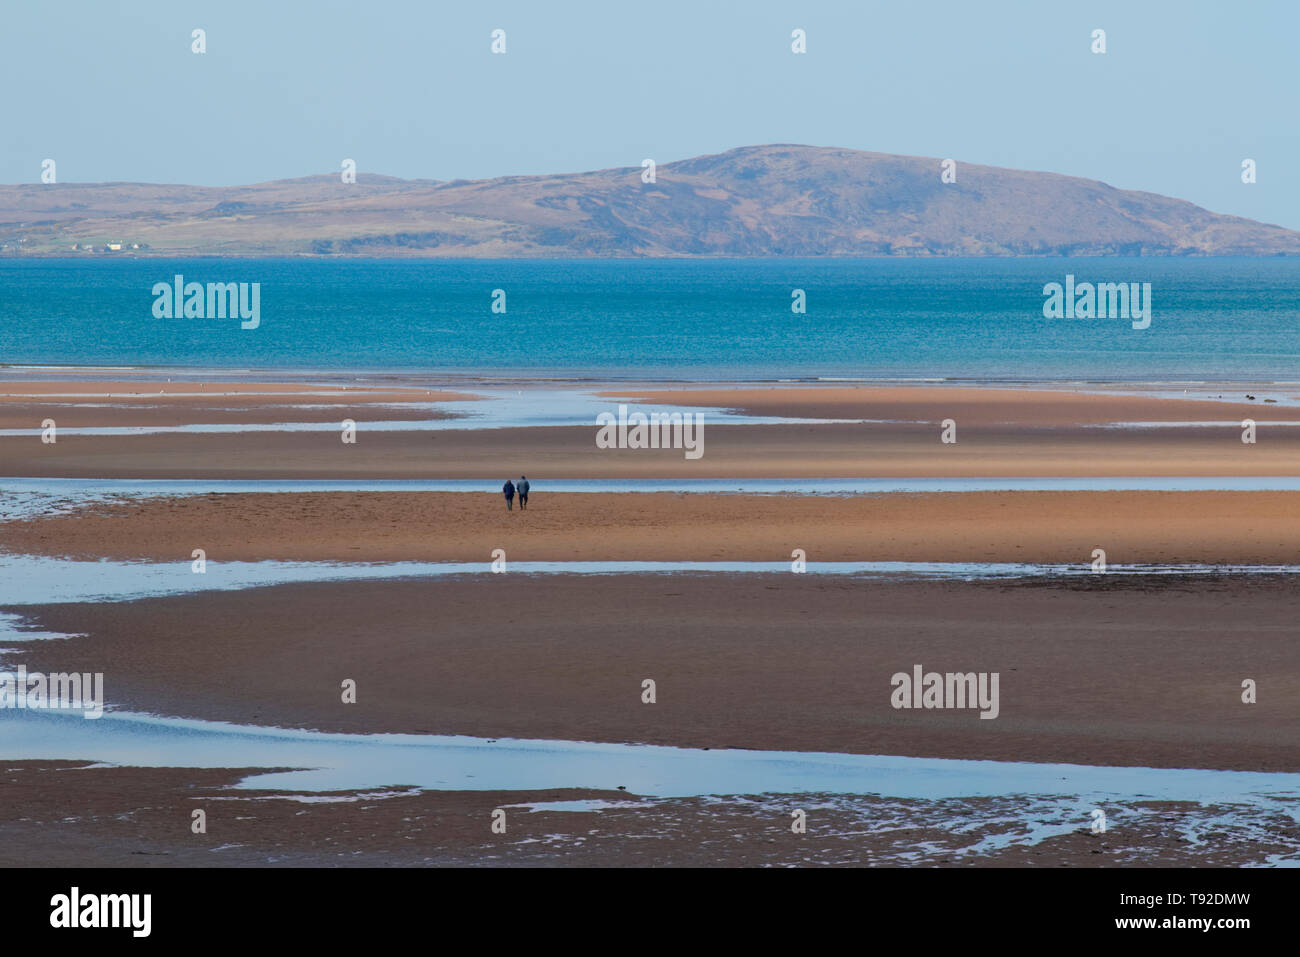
{"points": [[126, 817], [1037, 407], [999, 432], [150, 403], [1107, 671], [1132, 527]]}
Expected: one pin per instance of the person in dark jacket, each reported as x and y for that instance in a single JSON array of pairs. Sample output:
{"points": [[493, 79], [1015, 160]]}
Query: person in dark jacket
{"points": [[522, 486], [508, 490]]}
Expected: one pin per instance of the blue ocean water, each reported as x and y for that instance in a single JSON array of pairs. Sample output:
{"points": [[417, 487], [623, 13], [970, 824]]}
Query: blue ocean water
{"points": [[975, 319]]}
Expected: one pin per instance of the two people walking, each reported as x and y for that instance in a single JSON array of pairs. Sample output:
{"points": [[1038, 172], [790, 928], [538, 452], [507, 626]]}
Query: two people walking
{"points": [[509, 490]]}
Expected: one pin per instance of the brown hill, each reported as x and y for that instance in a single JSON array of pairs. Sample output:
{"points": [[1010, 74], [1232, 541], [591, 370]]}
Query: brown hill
{"points": [[753, 201]]}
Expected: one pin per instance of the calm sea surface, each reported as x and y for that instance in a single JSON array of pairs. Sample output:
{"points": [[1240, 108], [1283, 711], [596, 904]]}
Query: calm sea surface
{"points": [[680, 319]]}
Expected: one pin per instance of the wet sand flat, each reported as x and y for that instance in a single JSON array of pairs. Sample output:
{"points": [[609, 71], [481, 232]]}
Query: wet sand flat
{"points": [[1113, 671], [1128, 671], [1132, 527], [140, 817], [730, 451], [139, 404], [1000, 432], [1036, 407]]}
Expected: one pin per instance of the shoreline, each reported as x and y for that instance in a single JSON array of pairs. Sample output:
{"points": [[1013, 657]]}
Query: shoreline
{"points": [[19, 372]]}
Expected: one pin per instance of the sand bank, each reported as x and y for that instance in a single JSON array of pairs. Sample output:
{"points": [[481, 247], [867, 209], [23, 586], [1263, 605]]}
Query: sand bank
{"points": [[1098, 671], [1047, 527]]}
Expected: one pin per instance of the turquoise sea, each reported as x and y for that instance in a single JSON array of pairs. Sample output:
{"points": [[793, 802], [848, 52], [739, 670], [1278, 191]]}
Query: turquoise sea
{"points": [[959, 319]]}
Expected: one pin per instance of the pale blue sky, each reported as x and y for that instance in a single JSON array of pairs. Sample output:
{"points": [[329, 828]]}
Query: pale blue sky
{"points": [[1186, 90]]}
